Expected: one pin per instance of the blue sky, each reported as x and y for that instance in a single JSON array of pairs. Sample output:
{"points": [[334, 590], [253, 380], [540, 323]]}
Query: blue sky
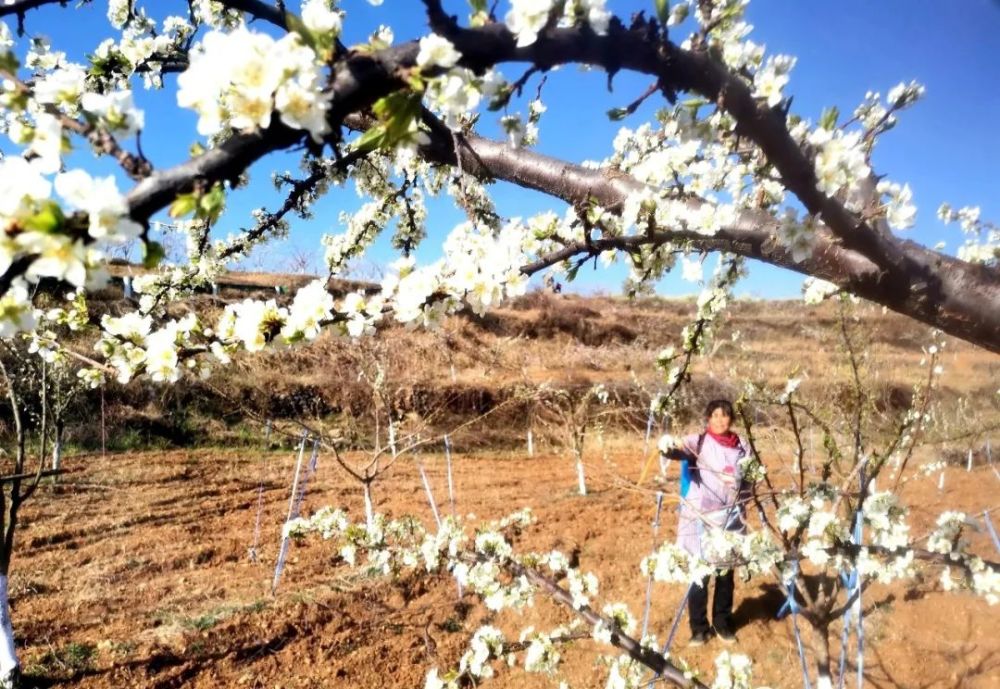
{"points": [[947, 147]]}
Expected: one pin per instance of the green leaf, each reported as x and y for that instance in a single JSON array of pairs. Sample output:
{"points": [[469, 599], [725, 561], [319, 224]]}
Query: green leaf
{"points": [[617, 114], [662, 10], [828, 120], [693, 103], [478, 5], [371, 139], [152, 254], [183, 205], [415, 81], [48, 219], [396, 112], [211, 204], [8, 62]]}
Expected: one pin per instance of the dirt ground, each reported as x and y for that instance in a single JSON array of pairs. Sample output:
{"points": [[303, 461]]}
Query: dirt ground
{"points": [[135, 573]]}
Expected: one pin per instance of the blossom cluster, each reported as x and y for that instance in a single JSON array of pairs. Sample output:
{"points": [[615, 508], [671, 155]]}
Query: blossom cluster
{"points": [[37, 231], [982, 239], [527, 18], [237, 79], [144, 47]]}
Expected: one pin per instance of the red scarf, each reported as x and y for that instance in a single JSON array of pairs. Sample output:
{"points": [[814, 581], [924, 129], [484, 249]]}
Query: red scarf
{"points": [[729, 439]]}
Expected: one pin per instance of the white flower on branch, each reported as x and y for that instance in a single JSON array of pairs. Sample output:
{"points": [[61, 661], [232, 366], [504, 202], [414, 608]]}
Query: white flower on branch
{"points": [[885, 517], [437, 51], [44, 138], [592, 12], [839, 160], [58, 256], [118, 12], [899, 209], [237, 79], [131, 327], [556, 561], [772, 78], [903, 95], [455, 94], [116, 110], [624, 673], [320, 19], [16, 312], [790, 387], [793, 513], [527, 17], [62, 87], [311, 307], [732, 671], [816, 290], [798, 237], [256, 321], [691, 269], [100, 199], [621, 616], [945, 537], [985, 581], [486, 644]]}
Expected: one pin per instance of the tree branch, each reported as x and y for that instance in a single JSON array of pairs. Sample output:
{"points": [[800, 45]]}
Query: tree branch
{"points": [[648, 657], [19, 7], [258, 9], [967, 304]]}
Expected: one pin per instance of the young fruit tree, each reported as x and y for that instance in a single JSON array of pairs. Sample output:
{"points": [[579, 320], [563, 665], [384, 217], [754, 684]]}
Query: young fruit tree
{"points": [[726, 166], [39, 385], [573, 413]]}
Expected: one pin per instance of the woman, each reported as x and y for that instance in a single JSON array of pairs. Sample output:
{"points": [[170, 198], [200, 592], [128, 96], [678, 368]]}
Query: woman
{"points": [[711, 498]]}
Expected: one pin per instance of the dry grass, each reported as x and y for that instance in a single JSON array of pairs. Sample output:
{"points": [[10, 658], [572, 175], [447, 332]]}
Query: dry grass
{"points": [[472, 363]]}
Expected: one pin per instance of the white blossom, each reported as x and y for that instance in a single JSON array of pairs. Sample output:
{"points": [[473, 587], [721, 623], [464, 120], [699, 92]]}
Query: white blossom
{"points": [[236, 79], [100, 199], [732, 671], [526, 18], [899, 208], [839, 160], [816, 290], [319, 18], [437, 51], [116, 110]]}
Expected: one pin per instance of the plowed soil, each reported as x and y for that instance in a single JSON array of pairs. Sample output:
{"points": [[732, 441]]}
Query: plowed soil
{"points": [[135, 572]]}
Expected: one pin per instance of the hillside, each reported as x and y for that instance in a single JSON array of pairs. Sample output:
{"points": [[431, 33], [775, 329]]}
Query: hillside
{"points": [[473, 364]]}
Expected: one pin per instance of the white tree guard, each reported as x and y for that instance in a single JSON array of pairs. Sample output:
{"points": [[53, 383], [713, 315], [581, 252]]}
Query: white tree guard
{"points": [[8, 654]]}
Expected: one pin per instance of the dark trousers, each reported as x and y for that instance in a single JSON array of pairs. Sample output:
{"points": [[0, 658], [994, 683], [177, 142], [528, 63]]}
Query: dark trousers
{"points": [[722, 603]]}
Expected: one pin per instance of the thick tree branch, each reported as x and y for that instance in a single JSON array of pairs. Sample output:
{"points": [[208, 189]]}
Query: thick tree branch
{"points": [[969, 302], [258, 9], [929, 285], [21, 6]]}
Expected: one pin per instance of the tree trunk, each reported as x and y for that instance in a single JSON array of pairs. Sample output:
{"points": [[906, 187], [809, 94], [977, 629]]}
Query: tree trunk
{"points": [[579, 474], [10, 669], [369, 508], [57, 448], [822, 646]]}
